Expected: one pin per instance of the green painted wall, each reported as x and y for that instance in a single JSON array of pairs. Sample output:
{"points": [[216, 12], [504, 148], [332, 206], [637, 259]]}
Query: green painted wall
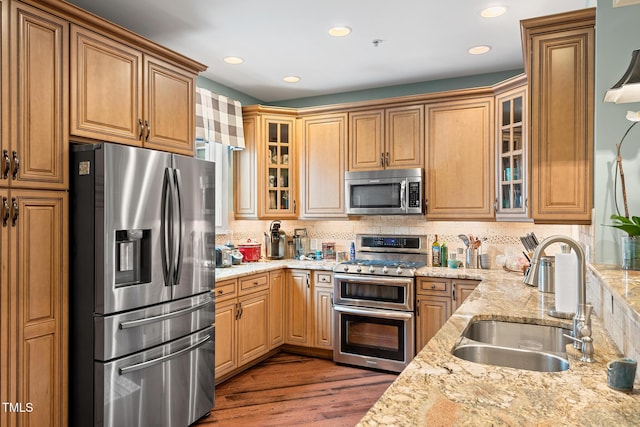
{"points": [[466, 82], [401, 90], [226, 91], [617, 35]]}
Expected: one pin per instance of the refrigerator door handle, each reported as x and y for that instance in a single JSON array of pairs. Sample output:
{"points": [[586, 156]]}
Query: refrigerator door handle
{"points": [[147, 320], [180, 232], [153, 362], [166, 228]]}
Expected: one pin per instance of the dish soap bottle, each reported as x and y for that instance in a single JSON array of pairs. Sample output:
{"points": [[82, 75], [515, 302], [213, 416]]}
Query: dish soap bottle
{"points": [[435, 253], [444, 254]]}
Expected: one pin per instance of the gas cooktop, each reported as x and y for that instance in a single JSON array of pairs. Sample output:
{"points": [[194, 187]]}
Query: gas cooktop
{"points": [[379, 267]]}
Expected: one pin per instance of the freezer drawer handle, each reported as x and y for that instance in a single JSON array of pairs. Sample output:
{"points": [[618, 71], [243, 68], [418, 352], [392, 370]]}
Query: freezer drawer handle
{"points": [[154, 319], [152, 362]]}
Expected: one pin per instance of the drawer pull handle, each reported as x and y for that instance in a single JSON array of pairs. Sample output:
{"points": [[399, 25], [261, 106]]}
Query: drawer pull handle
{"points": [[433, 286]]}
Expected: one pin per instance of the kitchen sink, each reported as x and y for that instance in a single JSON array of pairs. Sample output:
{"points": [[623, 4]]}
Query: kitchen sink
{"points": [[523, 336], [515, 345], [511, 357]]}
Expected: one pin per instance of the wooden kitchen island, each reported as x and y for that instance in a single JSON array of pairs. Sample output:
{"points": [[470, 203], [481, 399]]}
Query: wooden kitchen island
{"points": [[440, 389]]}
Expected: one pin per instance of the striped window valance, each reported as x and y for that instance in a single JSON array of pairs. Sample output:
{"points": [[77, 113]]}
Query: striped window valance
{"points": [[218, 119]]}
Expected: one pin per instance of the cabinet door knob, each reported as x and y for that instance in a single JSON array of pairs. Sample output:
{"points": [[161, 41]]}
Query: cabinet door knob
{"points": [[382, 159], [141, 126], [387, 159], [433, 286], [5, 211], [7, 164], [146, 123], [16, 212], [16, 165]]}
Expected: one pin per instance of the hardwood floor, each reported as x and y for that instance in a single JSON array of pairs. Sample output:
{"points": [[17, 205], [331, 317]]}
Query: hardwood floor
{"points": [[293, 390]]}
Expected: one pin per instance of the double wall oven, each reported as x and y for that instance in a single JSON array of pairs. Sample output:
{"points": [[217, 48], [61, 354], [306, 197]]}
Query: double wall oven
{"points": [[374, 302]]}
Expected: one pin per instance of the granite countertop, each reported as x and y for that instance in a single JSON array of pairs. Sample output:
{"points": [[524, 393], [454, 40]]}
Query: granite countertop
{"points": [[440, 389], [262, 266]]}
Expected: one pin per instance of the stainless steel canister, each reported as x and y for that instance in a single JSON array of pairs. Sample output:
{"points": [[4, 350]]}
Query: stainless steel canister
{"points": [[546, 274]]}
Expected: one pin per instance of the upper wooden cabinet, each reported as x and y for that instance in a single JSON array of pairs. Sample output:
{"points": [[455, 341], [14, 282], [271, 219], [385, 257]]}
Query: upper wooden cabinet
{"points": [[322, 165], [266, 171], [35, 146], [460, 159], [512, 151], [386, 138], [245, 171], [559, 61], [120, 94]]}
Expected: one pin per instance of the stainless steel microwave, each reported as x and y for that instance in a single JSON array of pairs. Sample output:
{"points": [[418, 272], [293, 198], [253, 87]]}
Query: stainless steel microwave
{"points": [[385, 192]]}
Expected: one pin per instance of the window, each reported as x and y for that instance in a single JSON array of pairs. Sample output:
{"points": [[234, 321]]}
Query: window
{"points": [[221, 155]]}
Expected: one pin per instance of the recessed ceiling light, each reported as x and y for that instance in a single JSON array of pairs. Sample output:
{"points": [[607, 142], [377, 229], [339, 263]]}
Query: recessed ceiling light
{"points": [[233, 60], [479, 50], [291, 79], [493, 11], [339, 31]]}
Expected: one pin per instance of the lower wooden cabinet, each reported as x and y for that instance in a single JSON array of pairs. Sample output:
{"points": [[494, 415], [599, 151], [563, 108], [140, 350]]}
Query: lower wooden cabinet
{"points": [[308, 308], [436, 300], [277, 281], [298, 307], [252, 324], [242, 322], [34, 303], [323, 310]]}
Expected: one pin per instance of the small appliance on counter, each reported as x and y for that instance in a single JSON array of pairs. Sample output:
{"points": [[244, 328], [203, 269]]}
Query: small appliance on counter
{"points": [[223, 256], [250, 251], [301, 242], [275, 241]]}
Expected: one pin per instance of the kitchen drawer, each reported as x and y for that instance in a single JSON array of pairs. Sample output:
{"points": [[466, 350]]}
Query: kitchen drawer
{"points": [[226, 289], [323, 279], [254, 283], [430, 286]]}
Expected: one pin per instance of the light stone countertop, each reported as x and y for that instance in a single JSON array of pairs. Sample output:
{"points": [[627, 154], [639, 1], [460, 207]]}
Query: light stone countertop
{"points": [[440, 389], [249, 268]]}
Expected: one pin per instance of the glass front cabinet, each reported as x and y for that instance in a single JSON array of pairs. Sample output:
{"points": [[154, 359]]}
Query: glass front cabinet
{"points": [[278, 178], [512, 155]]}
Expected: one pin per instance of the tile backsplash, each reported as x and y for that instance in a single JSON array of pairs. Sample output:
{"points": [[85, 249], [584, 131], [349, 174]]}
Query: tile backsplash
{"points": [[499, 235]]}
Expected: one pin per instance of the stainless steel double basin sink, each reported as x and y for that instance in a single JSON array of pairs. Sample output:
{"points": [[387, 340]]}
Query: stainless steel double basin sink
{"points": [[515, 345]]}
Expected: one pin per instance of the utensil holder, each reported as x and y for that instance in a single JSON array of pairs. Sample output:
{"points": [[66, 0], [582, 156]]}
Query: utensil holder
{"points": [[471, 256]]}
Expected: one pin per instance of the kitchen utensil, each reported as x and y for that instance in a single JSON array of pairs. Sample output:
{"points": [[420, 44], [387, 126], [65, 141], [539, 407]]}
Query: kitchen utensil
{"points": [[471, 255], [250, 251], [464, 239], [546, 274], [454, 263]]}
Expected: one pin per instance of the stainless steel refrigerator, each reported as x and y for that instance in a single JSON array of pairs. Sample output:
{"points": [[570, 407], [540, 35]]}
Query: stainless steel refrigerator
{"points": [[142, 273]]}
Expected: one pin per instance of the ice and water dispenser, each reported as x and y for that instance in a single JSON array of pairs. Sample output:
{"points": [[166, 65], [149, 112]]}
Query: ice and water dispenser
{"points": [[133, 257]]}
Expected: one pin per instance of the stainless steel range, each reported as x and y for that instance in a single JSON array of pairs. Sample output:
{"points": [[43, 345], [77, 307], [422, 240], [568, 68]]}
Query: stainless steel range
{"points": [[374, 302]]}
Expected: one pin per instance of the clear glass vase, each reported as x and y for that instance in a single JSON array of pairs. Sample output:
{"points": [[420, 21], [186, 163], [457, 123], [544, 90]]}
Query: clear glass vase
{"points": [[630, 252]]}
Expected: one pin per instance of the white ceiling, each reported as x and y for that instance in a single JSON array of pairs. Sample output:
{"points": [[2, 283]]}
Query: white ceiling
{"points": [[422, 40]]}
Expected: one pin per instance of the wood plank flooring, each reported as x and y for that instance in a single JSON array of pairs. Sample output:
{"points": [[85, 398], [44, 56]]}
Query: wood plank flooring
{"points": [[293, 390]]}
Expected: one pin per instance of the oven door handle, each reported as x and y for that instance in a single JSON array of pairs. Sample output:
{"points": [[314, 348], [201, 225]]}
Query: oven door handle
{"points": [[354, 278], [377, 313]]}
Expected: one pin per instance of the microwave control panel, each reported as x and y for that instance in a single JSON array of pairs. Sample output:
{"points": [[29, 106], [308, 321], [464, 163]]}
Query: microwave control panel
{"points": [[414, 194]]}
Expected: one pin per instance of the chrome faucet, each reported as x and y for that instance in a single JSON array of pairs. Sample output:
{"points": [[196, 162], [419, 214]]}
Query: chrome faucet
{"points": [[582, 318]]}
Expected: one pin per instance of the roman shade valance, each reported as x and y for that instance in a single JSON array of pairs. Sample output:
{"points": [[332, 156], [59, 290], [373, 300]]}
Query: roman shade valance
{"points": [[218, 119]]}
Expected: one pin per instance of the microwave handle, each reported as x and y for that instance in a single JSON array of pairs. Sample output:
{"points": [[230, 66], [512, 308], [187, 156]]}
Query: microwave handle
{"points": [[403, 195]]}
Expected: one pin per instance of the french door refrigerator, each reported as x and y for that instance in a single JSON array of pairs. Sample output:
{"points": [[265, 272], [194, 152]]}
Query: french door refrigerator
{"points": [[142, 273]]}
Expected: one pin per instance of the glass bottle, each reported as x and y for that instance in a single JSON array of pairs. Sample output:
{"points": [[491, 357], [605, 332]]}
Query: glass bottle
{"points": [[435, 253], [444, 254]]}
